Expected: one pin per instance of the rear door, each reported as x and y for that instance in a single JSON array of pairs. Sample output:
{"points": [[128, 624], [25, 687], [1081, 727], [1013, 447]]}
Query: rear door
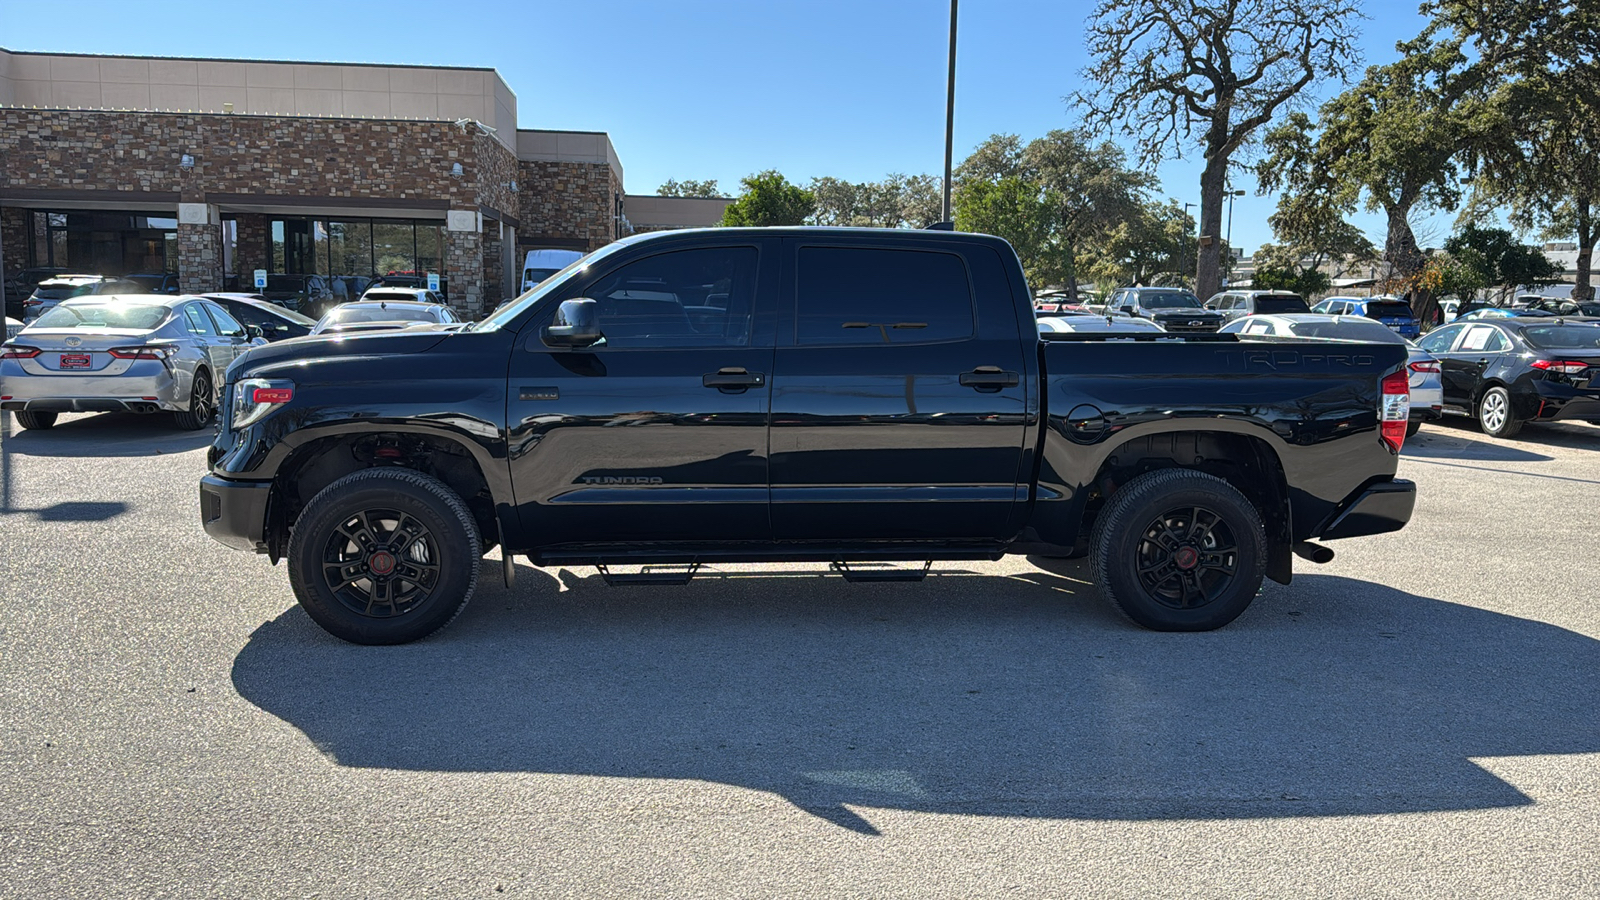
{"points": [[898, 397], [218, 352]]}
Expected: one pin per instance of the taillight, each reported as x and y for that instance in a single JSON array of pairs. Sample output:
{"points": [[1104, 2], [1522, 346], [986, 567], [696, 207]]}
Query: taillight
{"points": [[10, 351], [1428, 367], [32, 302], [140, 352], [1560, 366], [1394, 409]]}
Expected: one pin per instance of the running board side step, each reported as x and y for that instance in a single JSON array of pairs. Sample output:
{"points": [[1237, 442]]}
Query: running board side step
{"points": [[646, 576], [861, 576]]}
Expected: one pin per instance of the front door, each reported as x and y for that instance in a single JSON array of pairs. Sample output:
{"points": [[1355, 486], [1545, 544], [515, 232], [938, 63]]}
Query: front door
{"points": [[659, 434], [898, 396], [1462, 369]]}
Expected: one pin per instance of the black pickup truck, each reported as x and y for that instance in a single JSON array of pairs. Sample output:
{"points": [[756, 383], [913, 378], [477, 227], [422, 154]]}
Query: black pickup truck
{"points": [[838, 396]]}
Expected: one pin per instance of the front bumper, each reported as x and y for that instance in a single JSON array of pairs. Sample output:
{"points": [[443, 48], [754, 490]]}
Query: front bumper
{"points": [[1377, 509], [234, 513]]}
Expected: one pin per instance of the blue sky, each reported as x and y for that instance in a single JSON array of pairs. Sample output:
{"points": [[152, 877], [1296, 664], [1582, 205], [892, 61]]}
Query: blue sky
{"points": [[696, 88]]}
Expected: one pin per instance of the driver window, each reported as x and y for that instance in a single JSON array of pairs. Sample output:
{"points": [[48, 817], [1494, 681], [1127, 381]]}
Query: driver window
{"points": [[684, 298], [1439, 340]]}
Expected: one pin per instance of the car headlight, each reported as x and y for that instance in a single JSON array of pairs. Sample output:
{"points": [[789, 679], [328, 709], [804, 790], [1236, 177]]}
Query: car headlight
{"points": [[253, 398]]}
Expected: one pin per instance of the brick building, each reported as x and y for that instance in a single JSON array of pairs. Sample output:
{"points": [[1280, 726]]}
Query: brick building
{"points": [[214, 169]]}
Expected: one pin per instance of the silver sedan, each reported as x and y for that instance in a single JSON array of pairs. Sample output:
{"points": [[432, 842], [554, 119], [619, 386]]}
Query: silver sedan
{"points": [[133, 353]]}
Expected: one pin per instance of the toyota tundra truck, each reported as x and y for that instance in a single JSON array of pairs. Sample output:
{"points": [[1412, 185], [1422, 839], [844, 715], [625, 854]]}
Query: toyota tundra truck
{"points": [[836, 396]]}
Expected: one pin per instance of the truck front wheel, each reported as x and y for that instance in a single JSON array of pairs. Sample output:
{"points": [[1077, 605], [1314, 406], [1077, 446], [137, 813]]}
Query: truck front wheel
{"points": [[384, 556], [1179, 550]]}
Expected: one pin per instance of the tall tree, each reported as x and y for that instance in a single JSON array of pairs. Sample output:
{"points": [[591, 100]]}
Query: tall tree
{"points": [[1090, 189], [1175, 74], [1011, 207], [769, 199], [1499, 259], [1154, 246], [898, 201], [687, 188]]}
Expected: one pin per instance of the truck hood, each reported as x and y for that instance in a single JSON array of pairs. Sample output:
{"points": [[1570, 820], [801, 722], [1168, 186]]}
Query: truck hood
{"points": [[280, 358]]}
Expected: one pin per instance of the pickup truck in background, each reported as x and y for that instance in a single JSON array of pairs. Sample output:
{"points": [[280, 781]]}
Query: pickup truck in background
{"points": [[840, 396]]}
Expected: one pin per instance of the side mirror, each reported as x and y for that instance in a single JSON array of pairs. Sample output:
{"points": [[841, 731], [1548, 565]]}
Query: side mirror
{"points": [[576, 325]]}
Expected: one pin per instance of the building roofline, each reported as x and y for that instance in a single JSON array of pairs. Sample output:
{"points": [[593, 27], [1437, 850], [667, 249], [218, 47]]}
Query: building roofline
{"points": [[229, 59], [562, 131], [14, 107]]}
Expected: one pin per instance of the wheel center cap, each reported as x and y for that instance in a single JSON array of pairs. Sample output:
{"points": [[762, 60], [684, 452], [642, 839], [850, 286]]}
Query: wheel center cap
{"points": [[1186, 558], [381, 563]]}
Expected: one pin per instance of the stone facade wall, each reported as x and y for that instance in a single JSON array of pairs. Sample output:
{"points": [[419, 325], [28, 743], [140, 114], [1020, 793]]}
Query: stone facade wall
{"points": [[199, 258], [463, 266], [496, 170], [250, 253], [567, 201], [493, 265], [13, 239]]}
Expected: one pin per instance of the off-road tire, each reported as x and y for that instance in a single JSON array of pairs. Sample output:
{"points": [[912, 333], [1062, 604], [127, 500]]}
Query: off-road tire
{"points": [[453, 539], [1123, 534]]}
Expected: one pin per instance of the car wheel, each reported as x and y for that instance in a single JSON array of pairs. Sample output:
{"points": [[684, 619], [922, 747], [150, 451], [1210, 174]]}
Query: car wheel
{"points": [[1495, 414], [1179, 550], [36, 421], [384, 556], [202, 404], [1412, 428]]}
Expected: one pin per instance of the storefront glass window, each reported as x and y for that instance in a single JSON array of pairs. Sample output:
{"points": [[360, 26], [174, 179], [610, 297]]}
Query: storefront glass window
{"points": [[394, 248], [430, 248]]}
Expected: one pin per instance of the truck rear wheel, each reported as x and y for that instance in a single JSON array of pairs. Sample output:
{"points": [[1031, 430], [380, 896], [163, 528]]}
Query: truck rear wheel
{"points": [[1179, 550], [36, 421], [384, 556]]}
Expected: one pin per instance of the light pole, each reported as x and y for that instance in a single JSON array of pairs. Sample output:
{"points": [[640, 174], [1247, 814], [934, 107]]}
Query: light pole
{"points": [[1229, 239], [950, 114], [1196, 245]]}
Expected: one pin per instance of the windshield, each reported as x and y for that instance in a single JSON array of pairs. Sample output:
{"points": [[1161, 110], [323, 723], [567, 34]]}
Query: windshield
{"points": [[1281, 303], [1563, 337], [1169, 300], [273, 309], [147, 281], [62, 291], [1347, 329], [538, 275], [533, 295], [121, 315], [346, 315], [1389, 309], [377, 294], [285, 283]]}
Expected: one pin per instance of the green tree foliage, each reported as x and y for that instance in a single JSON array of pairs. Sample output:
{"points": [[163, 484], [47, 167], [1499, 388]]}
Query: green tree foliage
{"points": [[1535, 145], [1307, 283], [769, 199], [1180, 74], [1055, 197], [1154, 246], [1499, 260], [686, 188], [898, 201]]}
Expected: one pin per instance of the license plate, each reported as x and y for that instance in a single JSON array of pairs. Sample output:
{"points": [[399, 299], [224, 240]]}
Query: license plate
{"points": [[74, 360]]}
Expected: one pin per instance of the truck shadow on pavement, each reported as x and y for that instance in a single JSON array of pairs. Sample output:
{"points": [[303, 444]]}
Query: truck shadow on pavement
{"points": [[1015, 695]]}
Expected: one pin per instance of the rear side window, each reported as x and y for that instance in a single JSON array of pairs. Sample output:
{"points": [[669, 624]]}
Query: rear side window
{"points": [[851, 295], [1563, 337], [1281, 303]]}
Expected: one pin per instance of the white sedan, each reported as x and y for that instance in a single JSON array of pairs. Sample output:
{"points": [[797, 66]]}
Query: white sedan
{"points": [[1427, 386]]}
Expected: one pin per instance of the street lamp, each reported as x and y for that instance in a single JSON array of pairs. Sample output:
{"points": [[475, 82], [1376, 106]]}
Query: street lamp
{"points": [[1196, 245], [950, 114], [1229, 239]]}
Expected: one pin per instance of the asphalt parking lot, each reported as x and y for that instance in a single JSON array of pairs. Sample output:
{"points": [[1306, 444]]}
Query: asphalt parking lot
{"points": [[1421, 717]]}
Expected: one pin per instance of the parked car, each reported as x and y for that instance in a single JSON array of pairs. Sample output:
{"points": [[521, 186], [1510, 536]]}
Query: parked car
{"points": [[275, 322], [1238, 304], [1427, 391], [1509, 371], [1563, 306], [63, 287], [1092, 324], [306, 294], [1043, 310], [539, 265], [408, 294], [155, 282], [1502, 312], [886, 398], [1176, 310], [19, 286], [1389, 311], [381, 315], [140, 353], [12, 327]]}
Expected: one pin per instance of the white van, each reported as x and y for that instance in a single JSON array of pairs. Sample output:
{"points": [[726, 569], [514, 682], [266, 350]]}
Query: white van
{"points": [[541, 264]]}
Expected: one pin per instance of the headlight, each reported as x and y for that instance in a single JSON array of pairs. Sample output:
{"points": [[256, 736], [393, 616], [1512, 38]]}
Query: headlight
{"points": [[253, 398]]}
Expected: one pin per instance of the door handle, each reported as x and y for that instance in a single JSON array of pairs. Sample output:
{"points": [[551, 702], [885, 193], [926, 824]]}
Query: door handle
{"points": [[989, 379], [732, 380]]}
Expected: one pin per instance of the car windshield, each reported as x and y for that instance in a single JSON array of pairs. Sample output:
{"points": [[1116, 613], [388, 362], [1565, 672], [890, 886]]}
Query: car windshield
{"points": [[62, 291], [346, 315], [276, 311], [1563, 337], [378, 294], [285, 283], [120, 315], [1347, 329], [1281, 303], [1169, 300], [147, 281]]}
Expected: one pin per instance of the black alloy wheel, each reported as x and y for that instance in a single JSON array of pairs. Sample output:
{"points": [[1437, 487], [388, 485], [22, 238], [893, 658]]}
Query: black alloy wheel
{"points": [[201, 404], [384, 556], [1179, 550], [1187, 558]]}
